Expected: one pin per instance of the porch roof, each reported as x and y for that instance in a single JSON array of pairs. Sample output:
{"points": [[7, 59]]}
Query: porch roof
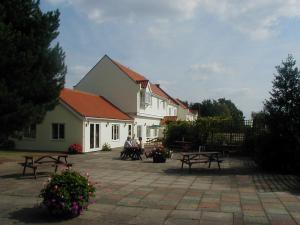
{"points": [[90, 105]]}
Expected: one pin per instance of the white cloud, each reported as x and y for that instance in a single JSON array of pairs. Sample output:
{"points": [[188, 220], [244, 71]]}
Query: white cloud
{"points": [[129, 10], [201, 72], [257, 18]]}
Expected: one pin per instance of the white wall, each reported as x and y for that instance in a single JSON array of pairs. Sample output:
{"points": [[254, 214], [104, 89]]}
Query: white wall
{"points": [[152, 110], [43, 140], [144, 122], [106, 133], [108, 80]]}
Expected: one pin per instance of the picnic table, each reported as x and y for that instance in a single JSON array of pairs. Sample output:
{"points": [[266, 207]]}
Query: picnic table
{"points": [[132, 152], [191, 158], [38, 160]]}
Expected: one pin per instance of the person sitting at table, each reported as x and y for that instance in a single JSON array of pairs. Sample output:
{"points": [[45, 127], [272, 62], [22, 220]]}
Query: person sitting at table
{"points": [[141, 145], [133, 142], [128, 143]]}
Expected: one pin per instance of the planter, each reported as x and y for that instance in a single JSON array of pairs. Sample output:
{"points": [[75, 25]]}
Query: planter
{"points": [[158, 158]]}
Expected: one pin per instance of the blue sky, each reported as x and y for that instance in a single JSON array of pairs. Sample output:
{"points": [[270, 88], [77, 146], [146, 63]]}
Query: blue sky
{"points": [[196, 49]]}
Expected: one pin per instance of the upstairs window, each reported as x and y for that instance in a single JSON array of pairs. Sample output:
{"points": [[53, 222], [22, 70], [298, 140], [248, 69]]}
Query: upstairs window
{"points": [[58, 131], [145, 98]]}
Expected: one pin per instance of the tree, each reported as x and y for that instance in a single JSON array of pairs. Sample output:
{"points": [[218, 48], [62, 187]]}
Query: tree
{"points": [[221, 107], [32, 67], [283, 107]]}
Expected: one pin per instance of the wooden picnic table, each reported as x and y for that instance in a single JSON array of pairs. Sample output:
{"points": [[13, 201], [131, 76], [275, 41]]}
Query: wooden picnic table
{"points": [[132, 152], [37, 160], [190, 158]]}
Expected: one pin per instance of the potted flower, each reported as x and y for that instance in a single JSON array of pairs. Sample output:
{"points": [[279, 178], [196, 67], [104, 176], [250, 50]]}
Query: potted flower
{"points": [[159, 155], [75, 149], [67, 194]]}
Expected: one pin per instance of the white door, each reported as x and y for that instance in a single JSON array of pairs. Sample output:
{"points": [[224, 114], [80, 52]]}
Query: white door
{"points": [[94, 136]]}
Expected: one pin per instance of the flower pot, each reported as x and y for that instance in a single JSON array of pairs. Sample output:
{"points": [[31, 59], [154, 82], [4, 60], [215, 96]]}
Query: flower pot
{"points": [[158, 158]]}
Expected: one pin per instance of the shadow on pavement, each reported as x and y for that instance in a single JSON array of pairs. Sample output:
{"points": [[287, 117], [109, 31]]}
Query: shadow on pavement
{"points": [[32, 215]]}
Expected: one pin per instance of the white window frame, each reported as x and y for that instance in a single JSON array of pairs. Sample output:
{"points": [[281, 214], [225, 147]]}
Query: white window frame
{"points": [[58, 132], [115, 132]]}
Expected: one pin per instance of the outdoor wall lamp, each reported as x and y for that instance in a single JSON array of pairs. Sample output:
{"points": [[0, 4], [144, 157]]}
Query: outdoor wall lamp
{"points": [[107, 124]]}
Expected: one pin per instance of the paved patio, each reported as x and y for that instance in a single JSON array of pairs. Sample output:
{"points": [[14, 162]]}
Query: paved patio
{"points": [[140, 192]]}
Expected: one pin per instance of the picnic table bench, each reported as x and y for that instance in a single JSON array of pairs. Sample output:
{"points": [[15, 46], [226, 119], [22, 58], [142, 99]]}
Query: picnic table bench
{"points": [[132, 152], [36, 161], [191, 158]]}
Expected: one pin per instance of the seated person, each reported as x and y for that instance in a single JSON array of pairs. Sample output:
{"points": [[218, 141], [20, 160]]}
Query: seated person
{"points": [[133, 142], [128, 143], [141, 145]]}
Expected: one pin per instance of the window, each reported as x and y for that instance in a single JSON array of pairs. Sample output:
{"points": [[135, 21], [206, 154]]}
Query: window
{"points": [[129, 130], [148, 132], [155, 132], [157, 101], [58, 131], [115, 134], [164, 104], [139, 131], [30, 132], [170, 112], [145, 98], [175, 112]]}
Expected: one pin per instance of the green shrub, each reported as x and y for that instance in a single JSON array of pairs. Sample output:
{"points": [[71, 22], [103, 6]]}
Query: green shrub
{"points": [[106, 147], [67, 194]]}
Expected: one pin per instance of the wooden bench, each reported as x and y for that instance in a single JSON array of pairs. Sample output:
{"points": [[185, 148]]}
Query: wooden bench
{"points": [[200, 157], [38, 161]]}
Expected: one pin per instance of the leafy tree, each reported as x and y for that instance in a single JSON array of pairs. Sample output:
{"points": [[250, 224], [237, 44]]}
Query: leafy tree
{"points": [[283, 107], [32, 67], [221, 107]]}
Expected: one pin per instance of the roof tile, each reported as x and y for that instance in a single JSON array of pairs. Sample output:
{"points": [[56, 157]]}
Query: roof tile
{"points": [[90, 105]]}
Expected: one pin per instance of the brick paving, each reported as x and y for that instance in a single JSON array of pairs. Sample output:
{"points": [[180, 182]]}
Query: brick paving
{"points": [[143, 193]]}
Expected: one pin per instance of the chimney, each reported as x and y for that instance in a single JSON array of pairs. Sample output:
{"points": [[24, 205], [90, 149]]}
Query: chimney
{"points": [[158, 85]]}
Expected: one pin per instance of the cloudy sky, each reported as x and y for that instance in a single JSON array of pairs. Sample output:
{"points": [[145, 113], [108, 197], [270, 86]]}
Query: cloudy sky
{"points": [[196, 49]]}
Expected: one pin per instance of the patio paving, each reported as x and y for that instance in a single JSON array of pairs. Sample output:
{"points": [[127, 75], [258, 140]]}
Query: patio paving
{"points": [[140, 192]]}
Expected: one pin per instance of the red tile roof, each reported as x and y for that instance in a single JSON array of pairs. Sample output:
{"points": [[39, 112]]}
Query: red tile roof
{"points": [[181, 103], [140, 79], [90, 105], [156, 90]]}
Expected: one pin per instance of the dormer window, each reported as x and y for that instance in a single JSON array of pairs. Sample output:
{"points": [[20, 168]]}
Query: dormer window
{"points": [[145, 98]]}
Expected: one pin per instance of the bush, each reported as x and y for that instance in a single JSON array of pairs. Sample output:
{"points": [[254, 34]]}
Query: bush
{"points": [[67, 194], [106, 147], [7, 144], [75, 149]]}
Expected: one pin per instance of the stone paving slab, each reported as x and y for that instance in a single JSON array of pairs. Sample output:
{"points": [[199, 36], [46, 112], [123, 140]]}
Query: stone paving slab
{"points": [[143, 193]]}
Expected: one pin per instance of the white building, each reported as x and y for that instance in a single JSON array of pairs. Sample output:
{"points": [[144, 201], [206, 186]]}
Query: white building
{"points": [[130, 91], [79, 118], [184, 113]]}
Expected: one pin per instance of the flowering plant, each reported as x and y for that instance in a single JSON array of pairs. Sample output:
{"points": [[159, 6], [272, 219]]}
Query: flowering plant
{"points": [[106, 147], [67, 194], [75, 148]]}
